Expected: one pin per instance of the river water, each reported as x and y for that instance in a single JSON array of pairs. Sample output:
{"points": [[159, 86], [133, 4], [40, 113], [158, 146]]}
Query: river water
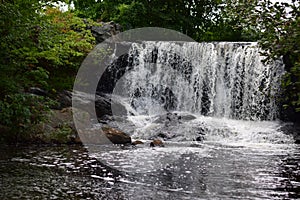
{"points": [[234, 160]]}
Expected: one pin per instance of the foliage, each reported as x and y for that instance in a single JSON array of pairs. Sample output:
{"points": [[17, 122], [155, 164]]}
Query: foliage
{"points": [[40, 47], [20, 112], [38, 41], [67, 43], [61, 134], [200, 19]]}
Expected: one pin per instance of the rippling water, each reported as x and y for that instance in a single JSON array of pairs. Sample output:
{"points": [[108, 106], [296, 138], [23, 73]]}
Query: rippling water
{"points": [[235, 167]]}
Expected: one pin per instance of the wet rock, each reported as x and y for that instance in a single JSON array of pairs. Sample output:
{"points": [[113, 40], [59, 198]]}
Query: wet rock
{"points": [[174, 118], [103, 103], [157, 142], [65, 99], [187, 117], [201, 130], [116, 136], [199, 138], [195, 145], [37, 91], [137, 142], [114, 72], [292, 129], [169, 119], [103, 106], [166, 135]]}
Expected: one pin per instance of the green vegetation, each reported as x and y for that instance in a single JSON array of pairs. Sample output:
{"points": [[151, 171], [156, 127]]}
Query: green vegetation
{"points": [[44, 47], [203, 20], [40, 47], [20, 112]]}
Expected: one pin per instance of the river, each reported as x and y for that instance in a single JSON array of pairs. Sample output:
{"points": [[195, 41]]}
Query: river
{"points": [[256, 161]]}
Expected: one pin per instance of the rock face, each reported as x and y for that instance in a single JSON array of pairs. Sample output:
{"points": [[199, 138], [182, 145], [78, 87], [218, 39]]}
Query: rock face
{"points": [[116, 136], [103, 104], [104, 30]]}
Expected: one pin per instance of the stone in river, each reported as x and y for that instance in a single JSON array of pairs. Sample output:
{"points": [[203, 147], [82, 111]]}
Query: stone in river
{"points": [[157, 142], [116, 136]]}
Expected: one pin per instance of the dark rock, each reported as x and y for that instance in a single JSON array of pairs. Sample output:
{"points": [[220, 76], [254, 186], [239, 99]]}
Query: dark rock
{"points": [[292, 129], [162, 135], [195, 145], [171, 118], [201, 131], [113, 73], [59, 128], [103, 104], [137, 142], [157, 142], [187, 117], [116, 136], [290, 115], [37, 91], [166, 135], [65, 99], [199, 138], [167, 118], [106, 106], [5, 134], [104, 30]]}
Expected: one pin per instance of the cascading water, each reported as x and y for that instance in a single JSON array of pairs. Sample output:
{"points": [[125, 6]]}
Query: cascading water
{"points": [[212, 79], [211, 83]]}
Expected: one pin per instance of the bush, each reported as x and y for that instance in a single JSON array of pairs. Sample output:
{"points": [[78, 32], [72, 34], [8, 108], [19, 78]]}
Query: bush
{"points": [[20, 112]]}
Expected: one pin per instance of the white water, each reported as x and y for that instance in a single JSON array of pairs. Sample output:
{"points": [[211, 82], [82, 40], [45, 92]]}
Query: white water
{"points": [[220, 94], [224, 89], [213, 79]]}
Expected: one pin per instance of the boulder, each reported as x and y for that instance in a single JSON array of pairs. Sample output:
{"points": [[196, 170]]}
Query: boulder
{"points": [[157, 142], [103, 103], [116, 136], [104, 30], [174, 118], [137, 142], [65, 99]]}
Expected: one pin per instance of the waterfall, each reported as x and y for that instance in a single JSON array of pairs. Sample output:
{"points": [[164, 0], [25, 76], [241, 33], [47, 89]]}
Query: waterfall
{"points": [[223, 79]]}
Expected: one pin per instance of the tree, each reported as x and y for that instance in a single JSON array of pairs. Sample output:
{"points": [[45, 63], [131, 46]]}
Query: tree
{"points": [[40, 47], [200, 19]]}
